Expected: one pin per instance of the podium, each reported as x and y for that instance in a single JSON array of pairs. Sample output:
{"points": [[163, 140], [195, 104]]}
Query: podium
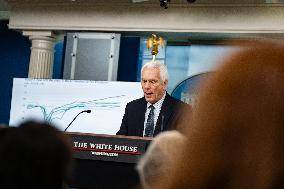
{"points": [[106, 161]]}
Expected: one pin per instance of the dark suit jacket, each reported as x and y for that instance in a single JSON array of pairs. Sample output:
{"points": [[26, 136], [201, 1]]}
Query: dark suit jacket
{"points": [[134, 116]]}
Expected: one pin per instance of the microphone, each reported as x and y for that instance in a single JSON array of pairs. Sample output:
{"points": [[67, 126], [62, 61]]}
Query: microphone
{"points": [[87, 111]]}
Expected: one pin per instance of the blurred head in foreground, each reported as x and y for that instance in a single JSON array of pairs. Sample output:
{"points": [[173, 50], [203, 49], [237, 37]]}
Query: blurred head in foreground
{"points": [[236, 139], [157, 162], [33, 155]]}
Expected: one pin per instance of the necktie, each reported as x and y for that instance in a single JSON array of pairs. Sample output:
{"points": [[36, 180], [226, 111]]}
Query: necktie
{"points": [[149, 130]]}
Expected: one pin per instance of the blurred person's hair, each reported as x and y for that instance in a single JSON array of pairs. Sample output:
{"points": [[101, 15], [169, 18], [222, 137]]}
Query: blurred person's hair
{"points": [[157, 162], [235, 139], [34, 155]]}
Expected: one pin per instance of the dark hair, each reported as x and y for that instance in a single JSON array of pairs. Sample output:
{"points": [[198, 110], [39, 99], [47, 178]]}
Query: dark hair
{"points": [[34, 155]]}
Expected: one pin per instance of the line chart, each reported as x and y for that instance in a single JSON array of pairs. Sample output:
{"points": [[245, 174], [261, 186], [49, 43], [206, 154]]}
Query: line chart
{"points": [[58, 101], [59, 111]]}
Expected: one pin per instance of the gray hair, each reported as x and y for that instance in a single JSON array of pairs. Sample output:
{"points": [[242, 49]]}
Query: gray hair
{"points": [[160, 158], [162, 67]]}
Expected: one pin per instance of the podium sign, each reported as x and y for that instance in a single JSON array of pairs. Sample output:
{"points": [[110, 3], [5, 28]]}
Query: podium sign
{"points": [[108, 147]]}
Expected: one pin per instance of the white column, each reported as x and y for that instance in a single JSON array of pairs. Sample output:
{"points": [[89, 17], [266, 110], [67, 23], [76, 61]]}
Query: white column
{"points": [[42, 54]]}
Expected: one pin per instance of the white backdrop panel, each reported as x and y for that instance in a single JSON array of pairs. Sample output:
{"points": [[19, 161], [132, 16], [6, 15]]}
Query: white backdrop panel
{"points": [[59, 101]]}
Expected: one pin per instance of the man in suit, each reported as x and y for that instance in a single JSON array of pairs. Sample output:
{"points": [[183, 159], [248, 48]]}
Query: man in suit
{"points": [[155, 112]]}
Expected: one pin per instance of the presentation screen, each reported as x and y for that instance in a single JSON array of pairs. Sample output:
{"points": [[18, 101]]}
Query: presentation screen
{"points": [[58, 102]]}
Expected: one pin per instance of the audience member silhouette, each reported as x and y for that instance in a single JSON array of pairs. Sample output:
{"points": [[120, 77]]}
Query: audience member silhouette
{"points": [[34, 156], [157, 162], [235, 139]]}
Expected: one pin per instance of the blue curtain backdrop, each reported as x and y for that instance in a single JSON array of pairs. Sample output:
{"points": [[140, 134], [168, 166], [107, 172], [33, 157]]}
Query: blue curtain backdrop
{"points": [[128, 58], [14, 60]]}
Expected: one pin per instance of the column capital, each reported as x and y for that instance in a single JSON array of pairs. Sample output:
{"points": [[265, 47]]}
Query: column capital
{"points": [[39, 33], [42, 53]]}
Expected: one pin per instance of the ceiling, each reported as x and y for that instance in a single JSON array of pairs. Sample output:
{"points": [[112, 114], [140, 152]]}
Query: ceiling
{"points": [[4, 5], [219, 1], [183, 37]]}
